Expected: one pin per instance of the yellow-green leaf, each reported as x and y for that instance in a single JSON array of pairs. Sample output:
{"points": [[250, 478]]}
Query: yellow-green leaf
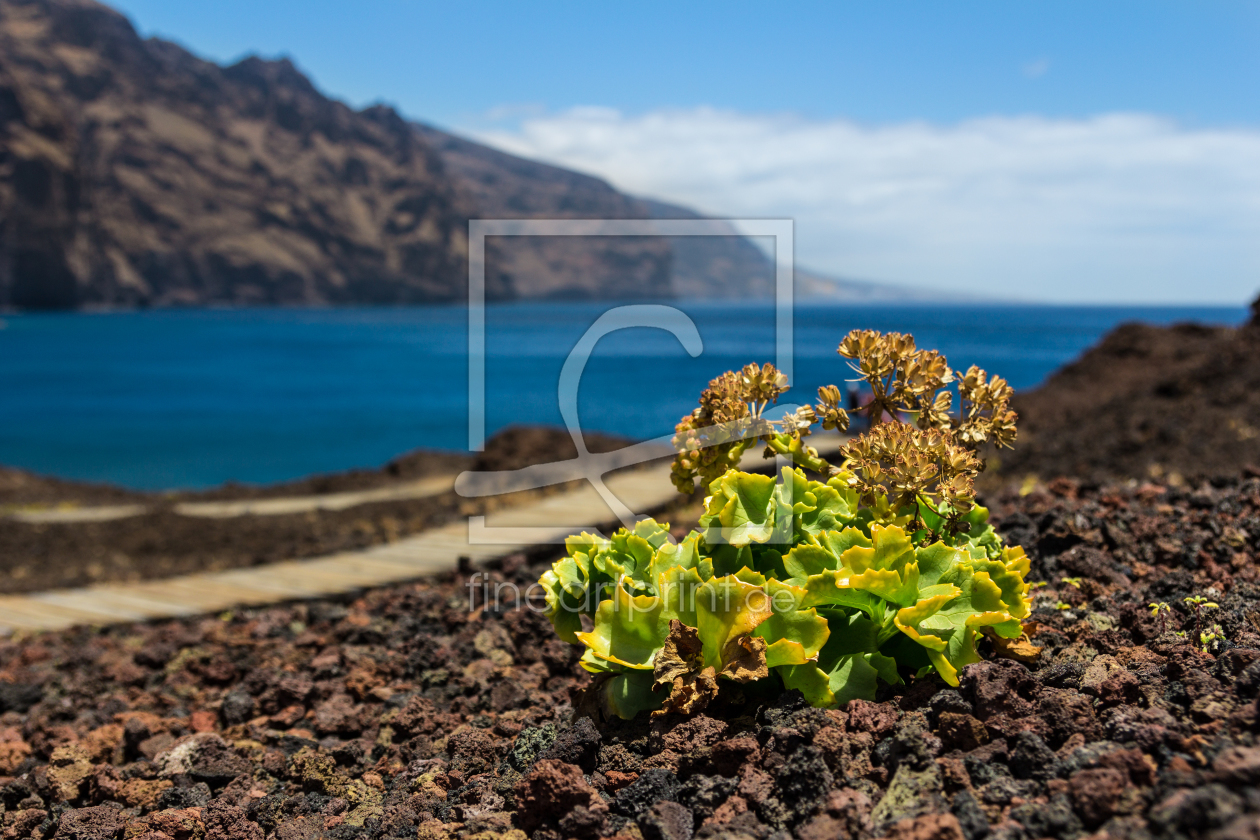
{"points": [[811, 681], [629, 693], [888, 569], [628, 631], [682, 555], [678, 588], [805, 560], [727, 608], [945, 625], [740, 510], [832, 589], [793, 635]]}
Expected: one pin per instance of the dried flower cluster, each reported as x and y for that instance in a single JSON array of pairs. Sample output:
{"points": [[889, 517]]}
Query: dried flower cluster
{"points": [[829, 410], [986, 415], [901, 378], [915, 468], [712, 438], [931, 468], [928, 467]]}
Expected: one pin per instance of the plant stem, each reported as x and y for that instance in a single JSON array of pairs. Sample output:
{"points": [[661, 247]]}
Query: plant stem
{"points": [[795, 450]]}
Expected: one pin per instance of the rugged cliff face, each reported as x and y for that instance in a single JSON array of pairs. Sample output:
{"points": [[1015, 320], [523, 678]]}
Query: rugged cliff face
{"points": [[502, 186], [137, 174], [134, 174]]}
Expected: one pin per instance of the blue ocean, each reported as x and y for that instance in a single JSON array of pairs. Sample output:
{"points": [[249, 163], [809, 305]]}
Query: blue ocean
{"points": [[194, 398]]}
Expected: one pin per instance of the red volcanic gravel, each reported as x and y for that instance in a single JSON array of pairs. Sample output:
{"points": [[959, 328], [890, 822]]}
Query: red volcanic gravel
{"points": [[404, 713]]}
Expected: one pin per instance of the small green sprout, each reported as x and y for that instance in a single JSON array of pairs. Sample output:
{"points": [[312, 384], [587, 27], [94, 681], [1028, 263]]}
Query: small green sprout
{"points": [[1063, 605], [1207, 637], [883, 571], [1074, 582], [1037, 584], [1160, 611], [1198, 602], [1198, 605]]}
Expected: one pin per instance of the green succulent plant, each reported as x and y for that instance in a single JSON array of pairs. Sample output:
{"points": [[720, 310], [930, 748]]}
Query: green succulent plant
{"points": [[885, 569]]}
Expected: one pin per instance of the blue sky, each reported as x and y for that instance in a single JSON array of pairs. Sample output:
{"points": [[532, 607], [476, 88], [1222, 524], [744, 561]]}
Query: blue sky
{"points": [[1075, 151]]}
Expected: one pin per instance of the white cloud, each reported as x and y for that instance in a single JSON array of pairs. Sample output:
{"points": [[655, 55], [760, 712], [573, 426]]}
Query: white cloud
{"points": [[1117, 207]]}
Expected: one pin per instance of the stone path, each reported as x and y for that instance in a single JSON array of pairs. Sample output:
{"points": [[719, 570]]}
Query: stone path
{"points": [[432, 552], [73, 513], [418, 489]]}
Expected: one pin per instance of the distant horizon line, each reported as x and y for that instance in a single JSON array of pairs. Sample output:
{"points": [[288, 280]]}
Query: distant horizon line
{"points": [[750, 302]]}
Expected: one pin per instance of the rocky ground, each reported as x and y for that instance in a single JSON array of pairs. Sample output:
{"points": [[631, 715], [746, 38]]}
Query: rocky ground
{"points": [[1176, 403], [404, 713]]}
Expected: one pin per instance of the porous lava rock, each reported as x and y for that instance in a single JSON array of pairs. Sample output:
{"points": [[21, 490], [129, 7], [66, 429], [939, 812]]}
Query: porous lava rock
{"points": [[376, 715]]}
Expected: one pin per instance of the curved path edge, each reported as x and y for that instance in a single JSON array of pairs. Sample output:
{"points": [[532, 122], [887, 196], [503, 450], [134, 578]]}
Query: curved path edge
{"points": [[437, 551], [431, 552]]}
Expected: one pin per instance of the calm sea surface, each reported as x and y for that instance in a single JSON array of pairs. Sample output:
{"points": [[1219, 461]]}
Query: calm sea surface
{"points": [[195, 398]]}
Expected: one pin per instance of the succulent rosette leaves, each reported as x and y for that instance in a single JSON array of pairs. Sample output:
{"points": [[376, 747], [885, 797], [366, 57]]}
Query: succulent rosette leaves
{"points": [[885, 570], [789, 580]]}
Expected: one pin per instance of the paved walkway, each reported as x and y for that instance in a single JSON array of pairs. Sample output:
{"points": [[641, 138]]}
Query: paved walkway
{"points": [[57, 514], [418, 489], [429, 553], [433, 552]]}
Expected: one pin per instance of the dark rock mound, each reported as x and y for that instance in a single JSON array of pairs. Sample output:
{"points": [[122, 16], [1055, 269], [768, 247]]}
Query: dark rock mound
{"points": [[1147, 402]]}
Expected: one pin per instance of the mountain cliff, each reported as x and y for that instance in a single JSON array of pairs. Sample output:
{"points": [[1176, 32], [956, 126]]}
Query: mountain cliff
{"points": [[133, 173], [503, 186]]}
